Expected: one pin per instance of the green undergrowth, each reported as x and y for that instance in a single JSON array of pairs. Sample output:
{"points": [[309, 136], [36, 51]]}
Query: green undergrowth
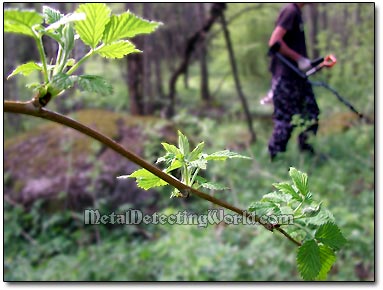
{"points": [[343, 179], [106, 122]]}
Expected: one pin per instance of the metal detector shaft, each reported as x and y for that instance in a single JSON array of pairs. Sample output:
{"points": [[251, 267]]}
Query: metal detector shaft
{"points": [[342, 100], [316, 66], [274, 51]]}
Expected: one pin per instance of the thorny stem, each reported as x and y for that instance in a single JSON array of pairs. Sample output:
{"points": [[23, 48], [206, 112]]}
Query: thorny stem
{"points": [[30, 108]]}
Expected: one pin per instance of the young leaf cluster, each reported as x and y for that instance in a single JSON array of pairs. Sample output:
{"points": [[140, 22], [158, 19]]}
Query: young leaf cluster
{"points": [[187, 163], [104, 34], [312, 223]]}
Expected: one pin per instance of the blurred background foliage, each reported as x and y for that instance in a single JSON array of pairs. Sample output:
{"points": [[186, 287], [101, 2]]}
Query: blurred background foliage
{"points": [[51, 173]]}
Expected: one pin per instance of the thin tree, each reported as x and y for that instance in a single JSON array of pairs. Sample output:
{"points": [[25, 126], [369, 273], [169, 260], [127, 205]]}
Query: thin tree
{"points": [[147, 64], [135, 75], [236, 79], [205, 94], [314, 21], [215, 12]]}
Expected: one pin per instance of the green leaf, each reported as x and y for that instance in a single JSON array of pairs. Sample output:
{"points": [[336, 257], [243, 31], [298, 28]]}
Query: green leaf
{"points": [[200, 179], [174, 165], [62, 81], [168, 158], [321, 218], [145, 179], [264, 208], [175, 193], [117, 49], [195, 154], [327, 259], [51, 15], [127, 25], [161, 159], [286, 210], [309, 197], [170, 148], [21, 21], [287, 188], [214, 186], [330, 235], [223, 155], [68, 38], [276, 197], [25, 69], [300, 180], [172, 152], [92, 28], [94, 84], [55, 36], [308, 260], [72, 17], [34, 86], [183, 144], [200, 163]]}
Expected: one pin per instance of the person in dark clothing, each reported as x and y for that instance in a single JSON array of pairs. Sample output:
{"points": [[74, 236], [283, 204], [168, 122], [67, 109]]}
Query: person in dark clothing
{"points": [[292, 95]]}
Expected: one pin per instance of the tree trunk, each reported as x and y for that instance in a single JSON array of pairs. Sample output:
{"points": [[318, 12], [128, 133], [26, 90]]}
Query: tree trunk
{"points": [[135, 84], [358, 18], [358, 21], [205, 94], [147, 63], [215, 12], [314, 19], [158, 79], [236, 79], [135, 75], [188, 15], [345, 30]]}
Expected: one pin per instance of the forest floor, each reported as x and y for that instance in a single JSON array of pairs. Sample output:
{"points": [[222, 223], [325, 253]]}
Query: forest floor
{"points": [[42, 244]]}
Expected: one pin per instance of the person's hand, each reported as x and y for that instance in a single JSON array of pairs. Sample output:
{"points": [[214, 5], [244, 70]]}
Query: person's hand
{"points": [[304, 64]]}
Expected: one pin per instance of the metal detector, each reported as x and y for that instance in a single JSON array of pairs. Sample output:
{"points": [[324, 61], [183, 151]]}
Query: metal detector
{"points": [[317, 65]]}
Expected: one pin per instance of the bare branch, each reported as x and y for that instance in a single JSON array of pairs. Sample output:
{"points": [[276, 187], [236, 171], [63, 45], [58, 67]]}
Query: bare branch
{"points": [[235, 16], [27, 108]]}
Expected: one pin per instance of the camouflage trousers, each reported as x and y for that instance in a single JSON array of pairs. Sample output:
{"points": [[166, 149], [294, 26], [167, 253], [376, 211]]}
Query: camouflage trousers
{"points": [[292, 97]]}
